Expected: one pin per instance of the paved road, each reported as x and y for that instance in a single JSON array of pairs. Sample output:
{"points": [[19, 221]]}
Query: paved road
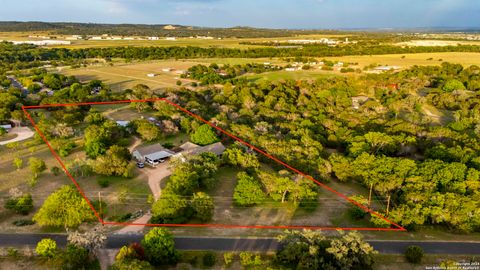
{"points": [[249, 244]]}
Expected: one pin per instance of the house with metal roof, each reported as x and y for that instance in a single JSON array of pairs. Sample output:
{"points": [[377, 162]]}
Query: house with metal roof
{"points": [[152, 154], [189, 149]]}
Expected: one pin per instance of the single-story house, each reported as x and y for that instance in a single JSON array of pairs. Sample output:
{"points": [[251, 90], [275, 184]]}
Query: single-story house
{"points": [[152, 154], [189, 149]]}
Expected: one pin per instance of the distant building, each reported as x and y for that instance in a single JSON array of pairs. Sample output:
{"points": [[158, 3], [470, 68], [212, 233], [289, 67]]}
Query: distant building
{"points": [[151, 75], [43, 42], [153, 38], [180, 72], [387, 68], [167, 69], [171, 38]]}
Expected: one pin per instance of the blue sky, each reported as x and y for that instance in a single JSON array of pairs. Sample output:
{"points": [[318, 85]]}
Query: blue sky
{"points": [[257, 13]]}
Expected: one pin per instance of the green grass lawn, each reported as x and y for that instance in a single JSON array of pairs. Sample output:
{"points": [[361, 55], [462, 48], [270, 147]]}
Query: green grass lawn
{"points": [[7, 137]]}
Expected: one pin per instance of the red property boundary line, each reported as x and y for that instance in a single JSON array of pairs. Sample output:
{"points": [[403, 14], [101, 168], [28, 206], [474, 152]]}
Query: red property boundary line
{"points": [[366, 209]]}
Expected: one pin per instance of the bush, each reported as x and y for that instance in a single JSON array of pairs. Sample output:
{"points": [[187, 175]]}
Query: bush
{"points": [[22, 205], [250, 260], [46, 248], [209, 259], [103, 182], [414, 254], [74, 258], [23, 222], [204, 135], [121, 218], [228, 258], [55, 170], [356, 212], [133, 264]]}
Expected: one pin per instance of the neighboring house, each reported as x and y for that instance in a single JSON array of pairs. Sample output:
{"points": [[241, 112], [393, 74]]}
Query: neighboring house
{"points": [[189, 149], [152, 154]]}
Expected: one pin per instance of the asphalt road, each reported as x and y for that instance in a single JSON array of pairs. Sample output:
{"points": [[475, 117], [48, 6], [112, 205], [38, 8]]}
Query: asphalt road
{"points": [[249, 244]]}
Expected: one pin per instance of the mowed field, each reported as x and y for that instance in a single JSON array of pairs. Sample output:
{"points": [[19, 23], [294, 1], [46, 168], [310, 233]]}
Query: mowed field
{"points": [[122, 76], [420, 59]]}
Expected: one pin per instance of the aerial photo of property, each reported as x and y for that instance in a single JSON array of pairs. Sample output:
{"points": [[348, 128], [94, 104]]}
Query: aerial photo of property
{"points": [[222, 134]]}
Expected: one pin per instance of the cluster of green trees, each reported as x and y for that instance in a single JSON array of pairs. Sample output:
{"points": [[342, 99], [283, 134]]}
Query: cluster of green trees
{"points": [[391, 143], [256, 186], [62, 28], [215, 74], [312, 250], [23, 56], [184, 196]]}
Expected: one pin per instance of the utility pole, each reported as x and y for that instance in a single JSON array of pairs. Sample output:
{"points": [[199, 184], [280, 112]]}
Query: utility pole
{"points": [[370, 196], [388, 204], [100, 203]]}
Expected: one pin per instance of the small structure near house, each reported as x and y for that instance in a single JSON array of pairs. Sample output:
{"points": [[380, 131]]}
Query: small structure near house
{"points": [[151, 75], [7, 127], [122, 123], [152, 154], [358, 101]]}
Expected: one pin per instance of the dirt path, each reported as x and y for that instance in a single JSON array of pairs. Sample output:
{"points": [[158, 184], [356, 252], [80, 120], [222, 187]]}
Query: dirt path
{"points": [[136, 142]]}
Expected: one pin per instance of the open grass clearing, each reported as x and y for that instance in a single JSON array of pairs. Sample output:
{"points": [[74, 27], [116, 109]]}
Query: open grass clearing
{"points": [[8, 137], [464, 58]]}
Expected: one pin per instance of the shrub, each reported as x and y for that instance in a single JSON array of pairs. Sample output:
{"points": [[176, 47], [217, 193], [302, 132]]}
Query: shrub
{"points": [[126, 253], [103, 182], [209, 259], [23, 222], [74, 258], [22, 205], [55, 170], [204, 135], [46, 248], [12, 252], [228, 258], [250, 260], [133, 264], [414, 254]]}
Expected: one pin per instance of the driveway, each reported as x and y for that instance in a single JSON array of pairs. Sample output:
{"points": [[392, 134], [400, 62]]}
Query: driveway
{"points": [[23, 133], [155, 177]]}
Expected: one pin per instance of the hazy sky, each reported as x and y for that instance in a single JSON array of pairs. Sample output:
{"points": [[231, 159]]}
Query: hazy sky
{"points": [[259, 13]]}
